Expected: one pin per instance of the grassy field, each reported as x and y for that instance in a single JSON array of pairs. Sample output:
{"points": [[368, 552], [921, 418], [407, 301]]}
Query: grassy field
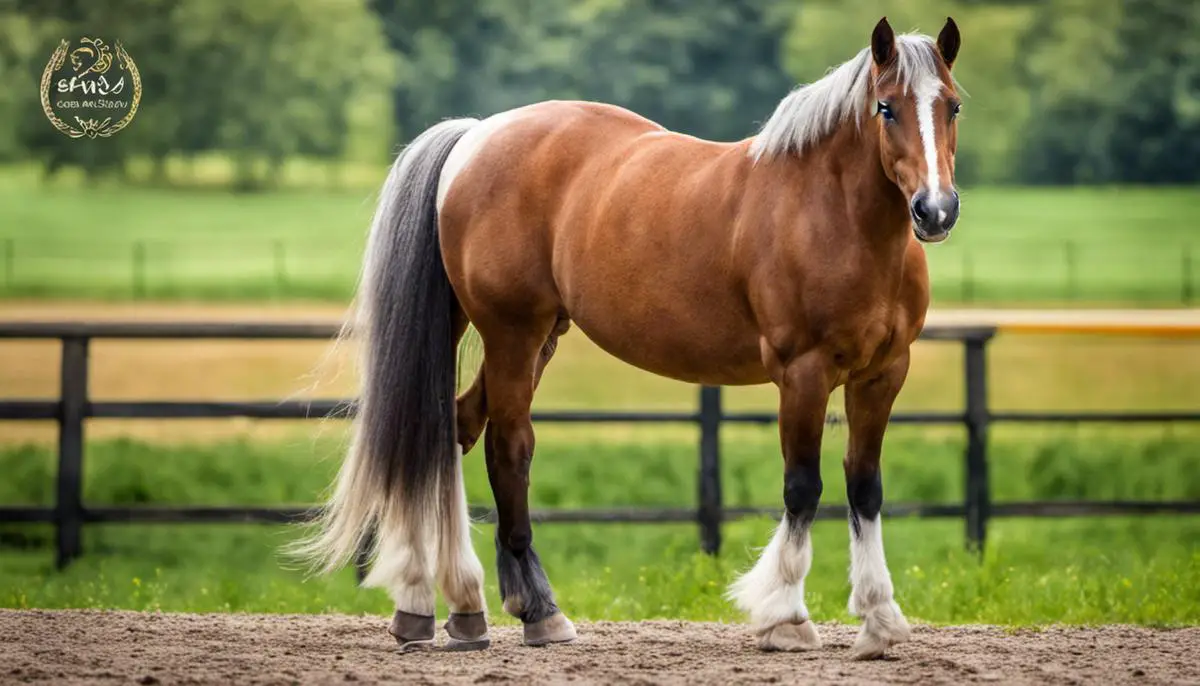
{"points": [[1076, 571], [1086, 245], [1144, 570]]}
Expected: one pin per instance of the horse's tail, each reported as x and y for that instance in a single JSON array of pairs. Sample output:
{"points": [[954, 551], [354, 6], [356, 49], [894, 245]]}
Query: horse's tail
{"points": [[403, 453]]}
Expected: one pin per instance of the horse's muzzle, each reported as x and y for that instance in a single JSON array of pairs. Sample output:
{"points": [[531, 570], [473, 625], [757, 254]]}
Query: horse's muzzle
{"points": [[934, 215]]}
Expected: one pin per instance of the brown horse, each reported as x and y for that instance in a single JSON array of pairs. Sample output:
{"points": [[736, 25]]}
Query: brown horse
{"points": [[791, 257]]}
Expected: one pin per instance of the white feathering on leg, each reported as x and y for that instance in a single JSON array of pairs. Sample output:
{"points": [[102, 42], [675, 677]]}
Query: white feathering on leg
{"points": [[772, 592], [460, 573], [872, 594], [405, 568]]}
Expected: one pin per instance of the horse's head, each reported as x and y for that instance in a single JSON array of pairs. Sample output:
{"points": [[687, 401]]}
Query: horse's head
{"points": [[915, 105]]}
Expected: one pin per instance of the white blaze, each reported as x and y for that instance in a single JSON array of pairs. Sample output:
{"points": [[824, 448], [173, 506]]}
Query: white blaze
{"points": [[927, 91]]}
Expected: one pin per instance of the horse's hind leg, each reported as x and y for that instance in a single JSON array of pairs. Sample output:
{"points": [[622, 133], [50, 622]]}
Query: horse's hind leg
{"points": [[405, 567], [512, 363], [472, 404], [412, 556], [459, 571]]}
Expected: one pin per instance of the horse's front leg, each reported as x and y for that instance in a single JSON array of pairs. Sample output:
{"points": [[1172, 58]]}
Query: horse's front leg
{"points": [[868, 406], [772, 592]]}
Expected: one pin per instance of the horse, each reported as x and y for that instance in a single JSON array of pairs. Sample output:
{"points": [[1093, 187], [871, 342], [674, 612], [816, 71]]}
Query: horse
{"points": [[792, 257]]}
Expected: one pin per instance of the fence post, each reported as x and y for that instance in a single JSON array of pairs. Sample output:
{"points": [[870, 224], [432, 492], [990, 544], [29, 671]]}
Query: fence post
{"points": [[978, 503], [68, 509], [139, 269], [709, 514], [1187, 287]]}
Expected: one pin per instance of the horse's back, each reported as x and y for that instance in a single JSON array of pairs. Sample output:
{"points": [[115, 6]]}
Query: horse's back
{"points": [[503, 187], [594, 213]]}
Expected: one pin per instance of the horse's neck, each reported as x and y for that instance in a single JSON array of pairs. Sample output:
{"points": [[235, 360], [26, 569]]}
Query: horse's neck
{"points": [[877, 211], [839, 193]]}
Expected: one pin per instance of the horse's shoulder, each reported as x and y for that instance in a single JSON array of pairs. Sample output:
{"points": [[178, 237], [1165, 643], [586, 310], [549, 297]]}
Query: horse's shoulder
{"points": [[915, 293]]}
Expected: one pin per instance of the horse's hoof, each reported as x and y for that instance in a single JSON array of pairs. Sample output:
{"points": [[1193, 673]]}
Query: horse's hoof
{"points": [[460, 646], [413, 632], [790, 637], [883, 627], [467, 632], [554, 629]]}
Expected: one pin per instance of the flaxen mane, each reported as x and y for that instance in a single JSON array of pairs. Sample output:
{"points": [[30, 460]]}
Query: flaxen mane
{"points": [[813, 111]]}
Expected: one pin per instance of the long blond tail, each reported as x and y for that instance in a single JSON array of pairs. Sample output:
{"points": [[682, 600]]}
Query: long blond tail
{"points": [[402, 460]]}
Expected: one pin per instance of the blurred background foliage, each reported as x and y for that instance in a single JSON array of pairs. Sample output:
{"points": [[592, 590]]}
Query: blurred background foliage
{"points": [[1061, 91]]}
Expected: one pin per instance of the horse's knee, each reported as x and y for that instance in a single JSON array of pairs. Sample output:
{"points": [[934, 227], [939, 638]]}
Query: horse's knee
{"points": [[802, 492], [864, 491]]}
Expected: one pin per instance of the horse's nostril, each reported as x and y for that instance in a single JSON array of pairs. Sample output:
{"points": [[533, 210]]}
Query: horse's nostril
{"points": [[920, 208], [952, 205]]}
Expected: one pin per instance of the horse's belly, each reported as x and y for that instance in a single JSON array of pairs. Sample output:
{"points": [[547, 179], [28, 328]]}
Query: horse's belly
{"points": [[688, 341]]}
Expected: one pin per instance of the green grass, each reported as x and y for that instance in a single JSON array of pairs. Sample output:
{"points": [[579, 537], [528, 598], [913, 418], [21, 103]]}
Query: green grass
{"points": [[1141, 570], [1084, 245], [1144, 571]]}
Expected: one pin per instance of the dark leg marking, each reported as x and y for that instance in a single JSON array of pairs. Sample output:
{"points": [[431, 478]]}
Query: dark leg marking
{"points": [[801, 494], [523, 580], [865, 493]]}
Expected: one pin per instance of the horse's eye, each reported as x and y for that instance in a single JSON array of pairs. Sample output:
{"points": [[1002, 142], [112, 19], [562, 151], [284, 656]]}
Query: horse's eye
{"points": [[955, 110], [885, 110]]}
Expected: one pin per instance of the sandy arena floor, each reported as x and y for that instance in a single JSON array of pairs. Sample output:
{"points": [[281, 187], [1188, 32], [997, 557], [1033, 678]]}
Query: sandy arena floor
{"points": [[69, 647]]}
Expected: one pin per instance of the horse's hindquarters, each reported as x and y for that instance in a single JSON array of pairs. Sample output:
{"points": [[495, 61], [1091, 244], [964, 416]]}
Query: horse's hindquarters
{"points": [[592, 213]]}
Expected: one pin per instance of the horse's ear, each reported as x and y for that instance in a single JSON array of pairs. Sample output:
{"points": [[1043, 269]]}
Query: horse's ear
{"points": [[949, 41], [883, 43]]}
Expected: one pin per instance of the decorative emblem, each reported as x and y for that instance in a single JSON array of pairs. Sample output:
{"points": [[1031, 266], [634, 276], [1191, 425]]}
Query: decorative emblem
{"points": [[92, 84]]}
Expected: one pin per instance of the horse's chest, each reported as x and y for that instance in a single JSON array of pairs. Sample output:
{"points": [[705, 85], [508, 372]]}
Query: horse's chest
{"points": [[867, 325], [852, 346], [863, 343]]}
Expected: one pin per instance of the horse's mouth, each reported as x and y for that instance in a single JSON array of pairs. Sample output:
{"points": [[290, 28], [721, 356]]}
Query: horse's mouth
{"points": [[930, 238]]}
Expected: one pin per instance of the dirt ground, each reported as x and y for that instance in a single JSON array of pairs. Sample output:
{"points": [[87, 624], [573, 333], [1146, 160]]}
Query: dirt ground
{"points": [[69, 647]]}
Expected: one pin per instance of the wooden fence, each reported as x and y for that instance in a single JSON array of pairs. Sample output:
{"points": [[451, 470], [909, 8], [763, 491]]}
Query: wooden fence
{"points": [[74, 407]]}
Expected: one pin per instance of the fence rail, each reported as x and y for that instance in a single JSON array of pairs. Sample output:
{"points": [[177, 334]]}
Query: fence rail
{"points": [[74, 407]]}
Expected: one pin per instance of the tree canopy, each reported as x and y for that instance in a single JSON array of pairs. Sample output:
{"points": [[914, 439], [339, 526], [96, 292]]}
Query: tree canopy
{"points": [[1061, 91]]}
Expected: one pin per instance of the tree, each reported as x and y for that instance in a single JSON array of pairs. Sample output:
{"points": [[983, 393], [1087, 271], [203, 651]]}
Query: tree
{"points": [[275, 78], [1115, 90], [707, 67], [21, 62], [260, 81]]}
